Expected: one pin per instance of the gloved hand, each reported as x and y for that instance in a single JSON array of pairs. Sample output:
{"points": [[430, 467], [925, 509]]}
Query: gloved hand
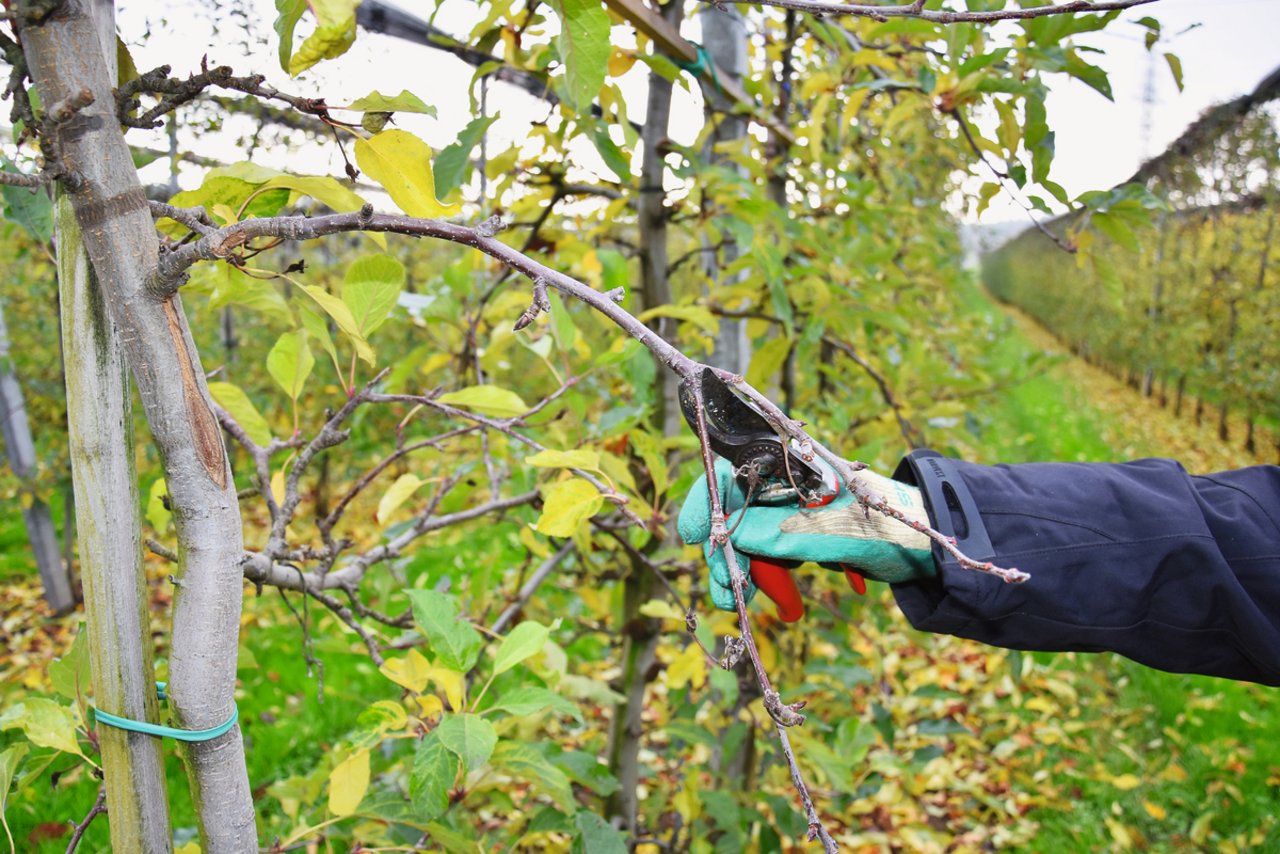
{"points": [[839, 535]]}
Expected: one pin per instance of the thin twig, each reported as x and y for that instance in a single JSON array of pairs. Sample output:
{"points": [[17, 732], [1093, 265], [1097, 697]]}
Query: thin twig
{"points": [[99, 807], [938, 16], [531, 586]]}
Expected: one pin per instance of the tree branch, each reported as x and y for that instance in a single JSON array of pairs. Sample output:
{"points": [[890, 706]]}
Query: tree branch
{"points": [[938, 16]]}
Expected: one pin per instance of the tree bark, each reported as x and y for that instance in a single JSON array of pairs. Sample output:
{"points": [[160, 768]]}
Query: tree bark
{"points": [[21, 450], [724, 34], [66, 62], [105, 485], [100, 432]]}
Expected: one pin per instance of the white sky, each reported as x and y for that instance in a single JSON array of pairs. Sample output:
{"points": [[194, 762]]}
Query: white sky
{"points": [[1098, 142]]}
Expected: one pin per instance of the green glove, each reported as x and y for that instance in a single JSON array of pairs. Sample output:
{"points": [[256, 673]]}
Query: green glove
{"points": [[840, 533]]}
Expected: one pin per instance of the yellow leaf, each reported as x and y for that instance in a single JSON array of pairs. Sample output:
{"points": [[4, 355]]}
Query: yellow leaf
{"points": [[188, 848], [348, 783], [580, 458], [452, 683], [620, 61], [1120, 834], [277, 486], [661, 609], [688, 668], [767, 361], [412, 671], [1125, 782], [1154, 810], [817, 124], [566, 505], [487, 400], [820, 81], [1174, 773], [856, 99], [405, 485], [1201, 827], [401, 163], [695, 314], [426, 705]]}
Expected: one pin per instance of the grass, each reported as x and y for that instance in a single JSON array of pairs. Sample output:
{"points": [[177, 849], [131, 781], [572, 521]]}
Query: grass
{"points": [[1157, 761], [1148, 760]]}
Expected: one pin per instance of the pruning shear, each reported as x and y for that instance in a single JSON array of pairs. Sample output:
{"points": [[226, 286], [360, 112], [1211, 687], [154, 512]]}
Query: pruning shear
{"points": [[769, 470]]}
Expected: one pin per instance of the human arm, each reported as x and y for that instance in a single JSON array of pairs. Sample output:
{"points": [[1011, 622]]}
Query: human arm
{"points": [[1177, 572]]}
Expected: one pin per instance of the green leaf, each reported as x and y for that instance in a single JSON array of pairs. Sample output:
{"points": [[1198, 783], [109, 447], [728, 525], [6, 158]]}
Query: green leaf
{"points": [[1091, 75], [531, 699], [317, 329], [238, 405], [341, 314], [521, 642], [528, 763], [70, 674], [469, 737], [405, 485], [401, 163], [221, 189], [584, 48], [9, 762], [580, 458], [46, 723], [597, 836], [487, 400], [452, 161], [288, 13], [566, 504], [229, 286], [434, 770], [405, 102], [157, 514], [30, 209], [290, 362], [372, 286], [614, 157], [1175, 68], [452, 841], [454, 641]]}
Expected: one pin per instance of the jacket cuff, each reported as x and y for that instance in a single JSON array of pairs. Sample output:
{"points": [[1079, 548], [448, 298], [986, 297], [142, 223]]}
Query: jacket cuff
{"points": [[953, 513]]}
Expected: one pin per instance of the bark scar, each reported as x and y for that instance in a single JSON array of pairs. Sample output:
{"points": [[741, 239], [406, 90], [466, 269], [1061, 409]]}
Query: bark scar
{"points": [[204, 427]]}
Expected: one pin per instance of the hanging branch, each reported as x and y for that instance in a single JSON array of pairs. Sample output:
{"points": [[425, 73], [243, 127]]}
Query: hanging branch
{"points": [[937, 16], [228, 243]]}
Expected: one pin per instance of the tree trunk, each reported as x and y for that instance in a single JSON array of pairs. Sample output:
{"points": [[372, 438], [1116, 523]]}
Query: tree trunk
{"points": [[1178, 395], [1250, 442], [1223, 432], [654, 285], [100, 433], [21, 449], [724, 34], [66, 62], [105, 485], [640, 633]]}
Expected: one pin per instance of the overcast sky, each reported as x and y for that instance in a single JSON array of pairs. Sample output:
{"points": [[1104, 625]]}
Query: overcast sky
{"points": [[1098, 142]]}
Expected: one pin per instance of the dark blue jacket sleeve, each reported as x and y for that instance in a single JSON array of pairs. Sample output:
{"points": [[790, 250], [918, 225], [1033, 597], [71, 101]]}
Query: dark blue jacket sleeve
{"points": [[1177, 572]]}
